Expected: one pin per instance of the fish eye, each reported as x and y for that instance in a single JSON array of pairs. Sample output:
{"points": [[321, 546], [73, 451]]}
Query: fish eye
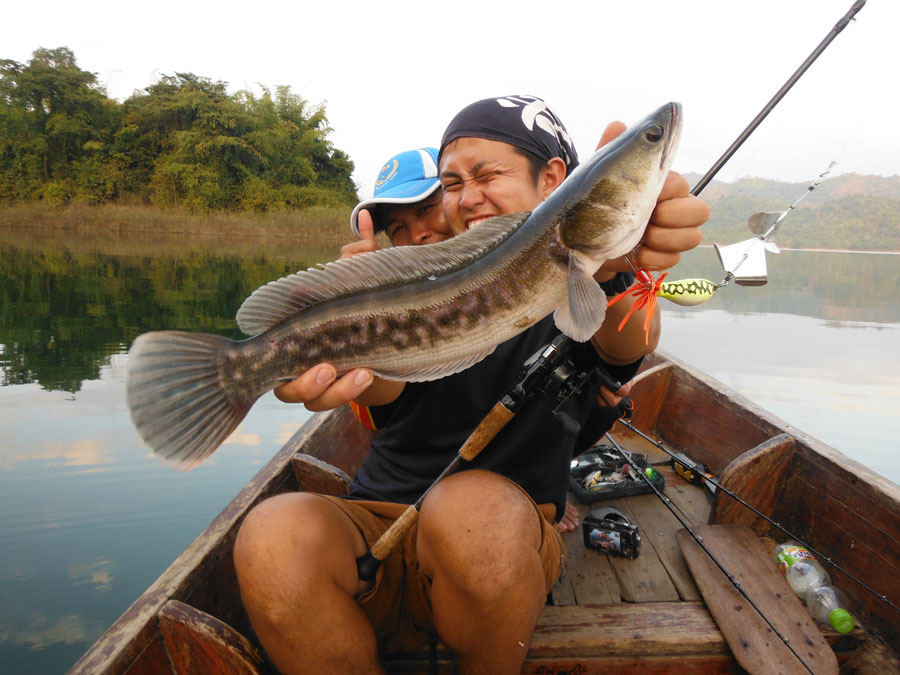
{"points": [[654, 133]]}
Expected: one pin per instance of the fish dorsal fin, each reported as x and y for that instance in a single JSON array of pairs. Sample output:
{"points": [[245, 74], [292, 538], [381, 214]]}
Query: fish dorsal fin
{"points": [[283, 298], [585, 308]]}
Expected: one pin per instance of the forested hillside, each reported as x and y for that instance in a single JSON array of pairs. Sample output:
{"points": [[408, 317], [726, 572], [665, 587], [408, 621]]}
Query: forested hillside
{"points": [[845, 212], [183, 142]]}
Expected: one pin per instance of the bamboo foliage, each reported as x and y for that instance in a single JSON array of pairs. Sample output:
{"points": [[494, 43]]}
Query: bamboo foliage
{"points": [[183, 142]]}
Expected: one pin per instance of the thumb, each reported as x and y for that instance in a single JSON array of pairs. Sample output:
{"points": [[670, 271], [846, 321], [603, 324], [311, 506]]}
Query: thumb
{"points": [[366, 226], [612, 130]]}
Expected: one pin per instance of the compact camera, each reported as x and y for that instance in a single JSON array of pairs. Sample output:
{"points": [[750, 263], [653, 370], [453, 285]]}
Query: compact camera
{"points": [[608, 530]]}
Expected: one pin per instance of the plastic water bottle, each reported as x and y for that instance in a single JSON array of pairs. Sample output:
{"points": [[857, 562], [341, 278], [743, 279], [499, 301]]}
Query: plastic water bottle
{"points": [[802, 571], [809, 580], [826, 604]]}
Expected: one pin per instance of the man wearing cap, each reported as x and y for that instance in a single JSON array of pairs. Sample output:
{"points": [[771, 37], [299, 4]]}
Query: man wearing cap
{"points": [[477, 568]]}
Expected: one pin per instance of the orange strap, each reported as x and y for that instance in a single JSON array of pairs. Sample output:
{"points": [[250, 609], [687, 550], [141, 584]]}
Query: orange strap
{"points": [[363, 415]]}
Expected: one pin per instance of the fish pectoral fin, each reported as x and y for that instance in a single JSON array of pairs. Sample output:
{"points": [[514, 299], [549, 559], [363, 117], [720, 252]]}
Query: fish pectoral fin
{"points": [[585, 307]]}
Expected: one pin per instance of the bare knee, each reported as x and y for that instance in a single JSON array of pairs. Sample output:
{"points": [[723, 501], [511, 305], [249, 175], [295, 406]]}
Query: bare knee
{"points": [[290, 543], [482, 530], [295, 557]]}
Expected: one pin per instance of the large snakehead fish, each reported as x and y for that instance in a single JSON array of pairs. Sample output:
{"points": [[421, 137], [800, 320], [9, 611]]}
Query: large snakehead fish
{"points": [[414, 313]]}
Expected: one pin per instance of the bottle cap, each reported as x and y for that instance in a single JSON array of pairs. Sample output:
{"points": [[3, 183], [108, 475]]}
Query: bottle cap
{"points": [[841, 620]]}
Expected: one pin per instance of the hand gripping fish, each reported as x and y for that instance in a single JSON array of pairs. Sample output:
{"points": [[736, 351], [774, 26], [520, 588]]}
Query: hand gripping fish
{"points": [[413, 313]]}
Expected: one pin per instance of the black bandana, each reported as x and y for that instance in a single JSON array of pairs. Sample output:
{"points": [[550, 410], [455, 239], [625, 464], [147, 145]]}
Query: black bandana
{"points": [[523, 121]]}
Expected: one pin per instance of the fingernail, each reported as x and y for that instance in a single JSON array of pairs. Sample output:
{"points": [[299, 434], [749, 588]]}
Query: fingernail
{"points": [[323, 375], [362, 377]]}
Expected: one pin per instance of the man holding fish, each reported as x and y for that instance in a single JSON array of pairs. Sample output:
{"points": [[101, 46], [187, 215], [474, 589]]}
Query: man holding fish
{"points": [[478, 567]]}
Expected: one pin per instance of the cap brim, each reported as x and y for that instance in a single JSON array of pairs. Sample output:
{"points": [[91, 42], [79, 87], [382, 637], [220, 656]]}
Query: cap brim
{"points": [[406, 193]]}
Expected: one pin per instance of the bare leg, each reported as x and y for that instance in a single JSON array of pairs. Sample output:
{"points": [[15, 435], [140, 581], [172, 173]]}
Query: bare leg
{"points": [[295, 557], [479, 540]]}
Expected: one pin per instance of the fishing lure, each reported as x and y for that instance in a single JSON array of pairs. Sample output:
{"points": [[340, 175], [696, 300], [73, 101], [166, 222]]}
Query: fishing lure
{"points": [[646, 289], [687, 292], [744, 262]]}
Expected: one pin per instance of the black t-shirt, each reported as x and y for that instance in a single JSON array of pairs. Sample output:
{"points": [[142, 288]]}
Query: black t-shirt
{"points": [[426, 425]]}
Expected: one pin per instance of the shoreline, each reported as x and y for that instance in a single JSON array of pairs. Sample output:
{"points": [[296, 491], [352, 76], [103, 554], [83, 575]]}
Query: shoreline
{"points": [[124, 220], [824, 250]]}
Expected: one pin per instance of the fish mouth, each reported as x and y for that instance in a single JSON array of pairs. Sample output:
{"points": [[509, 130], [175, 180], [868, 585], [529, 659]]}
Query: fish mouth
{"points": [[673, 133]]}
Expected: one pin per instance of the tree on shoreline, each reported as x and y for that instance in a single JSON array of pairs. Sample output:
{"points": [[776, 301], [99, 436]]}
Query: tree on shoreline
{"points": [[182, 142]]}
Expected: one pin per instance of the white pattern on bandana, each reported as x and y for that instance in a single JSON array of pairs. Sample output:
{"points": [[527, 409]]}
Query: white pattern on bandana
{"points": [[536, 112]]}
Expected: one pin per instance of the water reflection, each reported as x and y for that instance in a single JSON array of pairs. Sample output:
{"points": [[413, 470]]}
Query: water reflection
{"points": [[816, 346], [89, 517], [839, 287]]}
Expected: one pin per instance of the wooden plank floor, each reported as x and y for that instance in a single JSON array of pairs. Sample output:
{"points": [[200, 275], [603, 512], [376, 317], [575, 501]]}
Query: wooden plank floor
{"points": [[659, 573], [597, 620]]}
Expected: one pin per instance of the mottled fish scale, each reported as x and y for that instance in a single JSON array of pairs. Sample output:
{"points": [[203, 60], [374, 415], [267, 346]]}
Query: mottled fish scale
{"points": [[410, 313]]}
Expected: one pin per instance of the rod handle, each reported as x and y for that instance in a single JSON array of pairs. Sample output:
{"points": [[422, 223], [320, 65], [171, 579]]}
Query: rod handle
{"points": [[367, 565], [490, 426]]}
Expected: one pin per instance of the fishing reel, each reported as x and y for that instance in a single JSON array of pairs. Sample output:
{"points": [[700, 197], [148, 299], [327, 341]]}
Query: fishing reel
{"points": [[550, 372], [609, 531]]}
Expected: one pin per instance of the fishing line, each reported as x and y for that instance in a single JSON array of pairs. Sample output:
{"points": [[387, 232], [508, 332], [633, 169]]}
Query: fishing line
{"points": [[668, 502], [832, 34], [847, 142], [790, 534], [738, 173], [769, 231]]}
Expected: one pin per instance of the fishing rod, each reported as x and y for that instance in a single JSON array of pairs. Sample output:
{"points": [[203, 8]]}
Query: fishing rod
{"points": [[668, 502], [833, 33], [695, 291], [549, 372], [791, 535]]}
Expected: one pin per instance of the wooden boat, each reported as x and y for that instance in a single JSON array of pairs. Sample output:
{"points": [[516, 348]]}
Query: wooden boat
{"points": [[644, 615]]}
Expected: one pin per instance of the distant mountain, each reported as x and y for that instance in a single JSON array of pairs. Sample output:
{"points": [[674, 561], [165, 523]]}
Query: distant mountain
{"points": [[852, 212]]}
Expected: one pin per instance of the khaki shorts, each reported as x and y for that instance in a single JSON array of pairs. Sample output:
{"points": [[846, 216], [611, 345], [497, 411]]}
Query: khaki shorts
{"points": [[399, 604]]}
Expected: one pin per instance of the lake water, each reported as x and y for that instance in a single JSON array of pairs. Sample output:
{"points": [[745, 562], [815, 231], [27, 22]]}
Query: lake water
{"points": [[89, 518]]}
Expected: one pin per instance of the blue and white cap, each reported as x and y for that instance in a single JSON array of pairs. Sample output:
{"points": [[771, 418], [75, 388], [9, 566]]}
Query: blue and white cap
{"points": [[406, 178]]}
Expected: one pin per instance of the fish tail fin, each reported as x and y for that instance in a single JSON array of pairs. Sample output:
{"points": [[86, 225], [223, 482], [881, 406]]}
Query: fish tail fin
{"points": [[177, 400]]}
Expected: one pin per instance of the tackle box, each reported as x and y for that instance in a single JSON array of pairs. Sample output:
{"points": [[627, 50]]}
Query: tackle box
{"points": [[601, 473]]}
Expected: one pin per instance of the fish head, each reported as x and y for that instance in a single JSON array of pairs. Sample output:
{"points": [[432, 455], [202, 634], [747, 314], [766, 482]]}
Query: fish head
{"points": [[607, 201]]}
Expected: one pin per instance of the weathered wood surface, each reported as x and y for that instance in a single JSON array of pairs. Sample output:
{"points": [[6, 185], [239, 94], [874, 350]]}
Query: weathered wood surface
{"points": [[648, 393], [644, 579], [758, 477], [315, 475], [658, 527], [709, 422], [841, 508], [665, 637], [587, 577], [755, 646], [693, 502], [199, 643]]}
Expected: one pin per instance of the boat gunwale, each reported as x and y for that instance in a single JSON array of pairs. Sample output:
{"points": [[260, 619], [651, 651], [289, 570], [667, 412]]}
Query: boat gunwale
{"points": [[338, 439]]}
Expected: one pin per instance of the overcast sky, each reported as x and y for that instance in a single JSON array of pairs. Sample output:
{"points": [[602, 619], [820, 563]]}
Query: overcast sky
{"points": [[393, 74]]}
